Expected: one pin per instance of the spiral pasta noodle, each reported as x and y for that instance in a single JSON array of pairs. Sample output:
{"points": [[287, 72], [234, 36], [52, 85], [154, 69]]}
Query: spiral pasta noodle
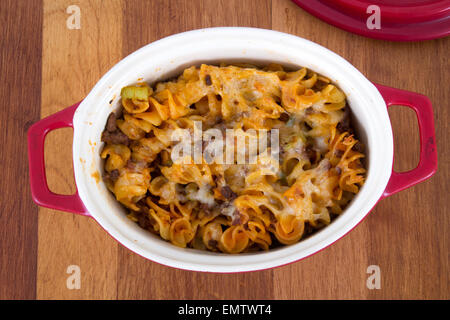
{"points": [[283, 190]]}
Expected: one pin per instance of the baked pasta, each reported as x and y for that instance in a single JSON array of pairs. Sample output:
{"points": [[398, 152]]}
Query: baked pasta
{"points": [[295, 183]]}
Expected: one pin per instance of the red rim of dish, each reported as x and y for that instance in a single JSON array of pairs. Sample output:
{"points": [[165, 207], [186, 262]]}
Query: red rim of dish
{"points": [[415, 20]]}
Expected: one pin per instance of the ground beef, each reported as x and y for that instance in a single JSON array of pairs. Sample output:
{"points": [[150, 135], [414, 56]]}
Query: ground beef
{"points": [[116, 137], [142, 206], [208, 80], [113, 175], [144, 221], [112, 134], [228, 193], [320, 85], [284, 117], [238, 219], [111, 123], [206, 209], [344, 124]]}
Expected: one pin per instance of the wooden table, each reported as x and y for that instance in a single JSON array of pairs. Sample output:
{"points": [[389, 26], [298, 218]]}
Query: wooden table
{"points": [[46, 67]]}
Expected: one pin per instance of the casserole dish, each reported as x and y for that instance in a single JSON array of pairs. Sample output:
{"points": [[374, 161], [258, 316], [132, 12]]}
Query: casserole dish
{"points": [[166, 58]]}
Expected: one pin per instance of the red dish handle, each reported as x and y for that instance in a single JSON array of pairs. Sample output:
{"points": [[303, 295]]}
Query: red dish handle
{"points": [[428, 154], [39, 188]]}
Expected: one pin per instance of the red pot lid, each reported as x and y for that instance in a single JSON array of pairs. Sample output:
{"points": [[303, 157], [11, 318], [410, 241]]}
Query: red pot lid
{"points": [[404, 20]]}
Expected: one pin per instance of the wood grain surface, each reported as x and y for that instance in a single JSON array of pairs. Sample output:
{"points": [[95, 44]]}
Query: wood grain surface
{"points": [[46, 67], [20, 92]]}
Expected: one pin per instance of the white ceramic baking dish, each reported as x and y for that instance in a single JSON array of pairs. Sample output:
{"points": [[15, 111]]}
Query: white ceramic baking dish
{"points": [[167, 57]]}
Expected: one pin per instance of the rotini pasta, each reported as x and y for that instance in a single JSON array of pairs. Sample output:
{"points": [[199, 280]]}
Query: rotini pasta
{"points": [[274, 194]]}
